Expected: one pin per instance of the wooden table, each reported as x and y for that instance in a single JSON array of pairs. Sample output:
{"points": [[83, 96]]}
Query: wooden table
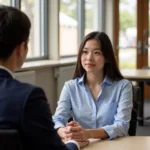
{"points": [[141, 76], [123, 143]]}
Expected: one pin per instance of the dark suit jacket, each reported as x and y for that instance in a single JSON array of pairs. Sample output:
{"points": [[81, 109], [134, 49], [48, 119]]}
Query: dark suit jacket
{"points": [[24, 107]]}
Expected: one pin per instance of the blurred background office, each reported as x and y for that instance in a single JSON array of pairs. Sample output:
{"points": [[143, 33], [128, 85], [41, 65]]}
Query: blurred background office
{"points": [[58, 26]]}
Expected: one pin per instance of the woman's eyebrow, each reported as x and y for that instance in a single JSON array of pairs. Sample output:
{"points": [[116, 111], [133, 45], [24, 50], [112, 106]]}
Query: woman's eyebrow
{"points": [[97, 48], [93, 49]]}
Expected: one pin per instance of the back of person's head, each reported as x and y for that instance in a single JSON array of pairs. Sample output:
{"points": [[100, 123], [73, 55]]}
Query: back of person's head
{"points": [[110, 67], [14, 29]]}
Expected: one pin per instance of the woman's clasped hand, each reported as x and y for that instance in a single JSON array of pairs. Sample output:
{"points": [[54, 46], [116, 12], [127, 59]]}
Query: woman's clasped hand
{"points": [[74, 131]]}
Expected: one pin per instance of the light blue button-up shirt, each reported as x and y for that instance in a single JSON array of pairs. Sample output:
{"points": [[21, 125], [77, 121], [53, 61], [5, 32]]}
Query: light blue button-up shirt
{"points": [[110, 111]]}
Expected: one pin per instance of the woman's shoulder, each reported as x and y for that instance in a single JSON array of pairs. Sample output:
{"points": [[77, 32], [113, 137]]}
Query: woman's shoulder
{"points": [[124, 82], [71, 82]]}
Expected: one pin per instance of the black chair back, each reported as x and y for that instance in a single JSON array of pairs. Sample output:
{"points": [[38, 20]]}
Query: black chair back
{"points": [[9, 140], [135, 111], [146, 67]]}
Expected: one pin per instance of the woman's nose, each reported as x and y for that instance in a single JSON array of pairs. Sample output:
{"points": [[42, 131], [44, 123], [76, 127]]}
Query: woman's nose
{"points": [[90, 56]]}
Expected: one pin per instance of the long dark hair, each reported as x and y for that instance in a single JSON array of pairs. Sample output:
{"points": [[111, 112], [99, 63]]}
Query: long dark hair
{"points": [[110, 68]]}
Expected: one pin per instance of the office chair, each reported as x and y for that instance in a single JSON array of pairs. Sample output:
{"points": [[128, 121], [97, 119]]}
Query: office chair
{"points": [[9, 139], [148, 83], [146, 67], [135, 111]]}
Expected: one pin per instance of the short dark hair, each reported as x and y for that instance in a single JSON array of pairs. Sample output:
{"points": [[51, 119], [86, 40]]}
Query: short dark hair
{"points": [[14, 29], [110, 68]]}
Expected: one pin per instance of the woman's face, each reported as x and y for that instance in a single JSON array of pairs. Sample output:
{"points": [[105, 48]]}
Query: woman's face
{"points": [[92, 59]]}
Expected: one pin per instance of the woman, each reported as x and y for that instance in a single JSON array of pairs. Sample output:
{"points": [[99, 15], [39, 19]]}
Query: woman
{"points": [[98, 97]]}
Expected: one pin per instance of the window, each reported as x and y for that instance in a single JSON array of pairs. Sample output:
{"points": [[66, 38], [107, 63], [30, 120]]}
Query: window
{"points": [[68, 28], [33, 10], [91, 16], [127, 34], [71, 24], [5, 2], [36, 10]]}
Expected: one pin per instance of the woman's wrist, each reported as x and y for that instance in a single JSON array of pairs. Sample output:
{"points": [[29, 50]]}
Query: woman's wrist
{"points": [[87, 133], [95, 133]]}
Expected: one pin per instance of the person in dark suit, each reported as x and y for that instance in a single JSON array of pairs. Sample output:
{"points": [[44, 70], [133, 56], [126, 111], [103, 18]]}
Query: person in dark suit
{"points": [[23, 106]]}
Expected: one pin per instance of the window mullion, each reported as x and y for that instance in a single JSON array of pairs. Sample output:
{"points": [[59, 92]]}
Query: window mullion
{"points": [[81, 20], [44, 28], [15, 3]]}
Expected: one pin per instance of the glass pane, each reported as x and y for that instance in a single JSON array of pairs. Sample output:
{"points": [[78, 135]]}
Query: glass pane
{"points": [[32, 9], [91, 16], [127, 33], [68, 25], [5, 2]]}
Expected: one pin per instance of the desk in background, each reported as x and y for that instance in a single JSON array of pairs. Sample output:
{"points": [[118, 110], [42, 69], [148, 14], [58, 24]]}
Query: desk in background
{"points": [[141, 76], [123, 143]]}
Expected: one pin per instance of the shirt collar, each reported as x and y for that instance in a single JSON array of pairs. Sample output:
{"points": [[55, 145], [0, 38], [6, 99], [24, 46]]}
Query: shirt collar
{"points": [[106, 80], [6, 69], [80, 80]]}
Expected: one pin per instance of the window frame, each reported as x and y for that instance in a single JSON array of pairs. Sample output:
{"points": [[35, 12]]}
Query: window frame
{"points": [[81, 20], [47, 44], [43, 15]]}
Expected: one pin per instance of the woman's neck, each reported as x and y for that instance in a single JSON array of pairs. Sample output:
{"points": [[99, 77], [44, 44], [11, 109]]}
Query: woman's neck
{"points": [[94, 79]]}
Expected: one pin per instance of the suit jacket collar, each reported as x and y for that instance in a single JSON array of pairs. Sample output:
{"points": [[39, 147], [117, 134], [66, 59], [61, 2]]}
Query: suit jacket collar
{"points": [[5, 73]]}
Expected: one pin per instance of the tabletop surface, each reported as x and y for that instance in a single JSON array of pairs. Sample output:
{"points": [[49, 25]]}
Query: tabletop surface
{"points": [[123, 143], [136, 73]]}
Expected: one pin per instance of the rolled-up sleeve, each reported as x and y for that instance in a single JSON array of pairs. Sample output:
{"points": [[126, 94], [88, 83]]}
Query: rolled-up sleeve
{"points": [[63, 109], [122, 118]]}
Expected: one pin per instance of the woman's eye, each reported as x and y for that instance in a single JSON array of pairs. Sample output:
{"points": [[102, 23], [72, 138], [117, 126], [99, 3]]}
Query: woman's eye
{"points": [[84, 52], [98, 53]]}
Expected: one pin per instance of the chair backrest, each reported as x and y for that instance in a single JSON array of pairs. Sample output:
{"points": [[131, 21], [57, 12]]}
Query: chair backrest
{"points": [[146, 67], [9, 140], [135, 111]]}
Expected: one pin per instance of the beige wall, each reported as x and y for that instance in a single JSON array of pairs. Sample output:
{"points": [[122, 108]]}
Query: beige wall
{"points": [[50, 79]]}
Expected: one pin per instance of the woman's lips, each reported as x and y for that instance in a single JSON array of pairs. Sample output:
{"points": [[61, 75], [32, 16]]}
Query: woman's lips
{"points": [[90, 65]]}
